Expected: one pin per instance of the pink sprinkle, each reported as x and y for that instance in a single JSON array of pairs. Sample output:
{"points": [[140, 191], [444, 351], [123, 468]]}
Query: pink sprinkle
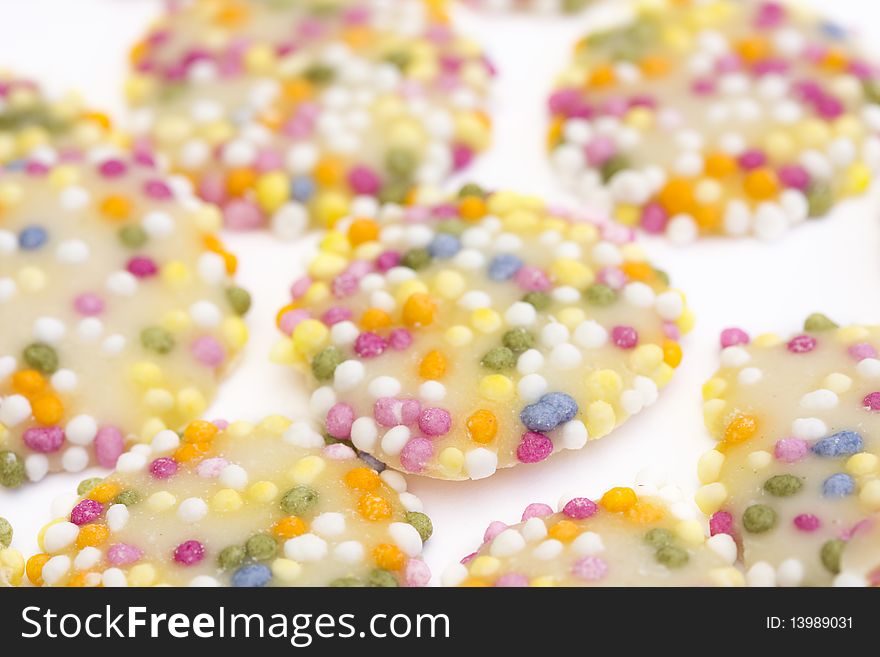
{"points": [[338, 452], [387, 260], [794, 176], [435, 422], [364, 180], [86, 511], [189, 553], [300, 287], [158, 190], [462, 156], [790, 450], [400, 339], [109, 445], [268, 160], [391, 412], [44, 439], [536, 510], [624, 337], [340, 417], [122, 554], [495, 527], [112, 168], [416, 454], [752, 159], [88, 304], [613, 277], [416, 573], [291, 319], [512, 580], [721, 522], [142, 267], [369, 345], [579, 508], [211, 468], [534, 447], [532, 279], [654, 218], [731, 337], [802, 344], [208, 351], [344, 285], [240, 214], [590, 568], [871, 402], [335, 315], [600, 150], [212, 188], [163, 467], [807, 522], [862, 350]]}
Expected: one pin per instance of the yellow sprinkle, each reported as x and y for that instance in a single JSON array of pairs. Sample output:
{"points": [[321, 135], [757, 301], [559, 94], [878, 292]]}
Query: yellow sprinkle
{"points": [[459, 336], [327, 265], [449, 284], [263, 492], [486, 320], [714, 388], [759, 459], [451, 460], [191, 402], [306, 469], [690, 532], [870, 495], [286, 570], [862, 464], [601, 419], [714, 411], [571, 317], [235, 332], [605, 385], [847, 334], [275, 424], [710, 497], [645, 358], [226, 500], [727, 577], [767, 340], [143, 574], [543, 582], [146, 374], [176, 321], [11, 567], [496, 387], [484, 566], [709, 466], [572, 272], [176, 275], [837, 382], [161, 501]]}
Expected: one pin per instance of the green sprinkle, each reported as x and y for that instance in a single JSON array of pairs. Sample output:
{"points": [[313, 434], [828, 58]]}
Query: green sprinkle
{"points": [[498, 359], [572, 6], [831, 553], [471, 189], [759, 518], [86, 485], [5, 533], [540, 300], [231, 557], [41, 357], [11, 469], [451, 227], [662, 276], [820, 199], [401, 162], [400, 59], [784, 485], [157, 339], [346, 582], [326, 362], [658, 537], [320, 74], [872, 91], [613, 165], [380, 578], [134, 237], [261, 547], [518, 340], [299, 500], [128, 497], [672, 556], [395, 191], [422, 524], [819, 322], [416, 259], [600, 295], [239, 300]]}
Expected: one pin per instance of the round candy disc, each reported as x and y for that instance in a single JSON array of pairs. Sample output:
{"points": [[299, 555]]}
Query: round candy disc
{"points": [[31, 120], [119, 311], [281, 111], [797, 466], [717, 117], [238, 505], [454, 339], [625, 539]]}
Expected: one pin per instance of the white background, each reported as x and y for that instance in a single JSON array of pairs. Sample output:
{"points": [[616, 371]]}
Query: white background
{"points": [[830, 265]]}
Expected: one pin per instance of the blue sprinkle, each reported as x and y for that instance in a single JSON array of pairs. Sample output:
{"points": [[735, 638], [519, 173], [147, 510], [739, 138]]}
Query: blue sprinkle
{"points": [[302, 188], [842, 443], [16, 165], [565, 406], [444, 246], [540, 417], [252, 575], [833, 30], [838, 485], [504, 266], [32, 238], [372, 461]]}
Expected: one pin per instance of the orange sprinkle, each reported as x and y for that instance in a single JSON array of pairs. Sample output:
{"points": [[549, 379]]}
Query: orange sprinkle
{"points": [[472, 208], [232, 14], [374, 507], [672, 353], [602, 77], [199, 431], [92, 536], [708, 216], [474, 583], [645, 512], [375, 318], [48, 410], [677, 196], [719, 165], [835, 59], [290, 527], [419, 310], [564, 531], [482, 426], [239, 181], [78, 580], [297, 90], [554, 132], [753, 49], [761, 184], [638, 270], [388, 556], [28, 382], [104, 121], [328, 171], [433, 366], [654, 66], [619, 499], [362, 231], [740, 429], [34, 568], [281, 313], [105, 492], [191, 451], [358, 37], [362, 479], [116, 207]]}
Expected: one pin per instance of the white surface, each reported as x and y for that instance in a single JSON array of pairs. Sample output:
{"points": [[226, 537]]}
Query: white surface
{"points": [[829, 266]]}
